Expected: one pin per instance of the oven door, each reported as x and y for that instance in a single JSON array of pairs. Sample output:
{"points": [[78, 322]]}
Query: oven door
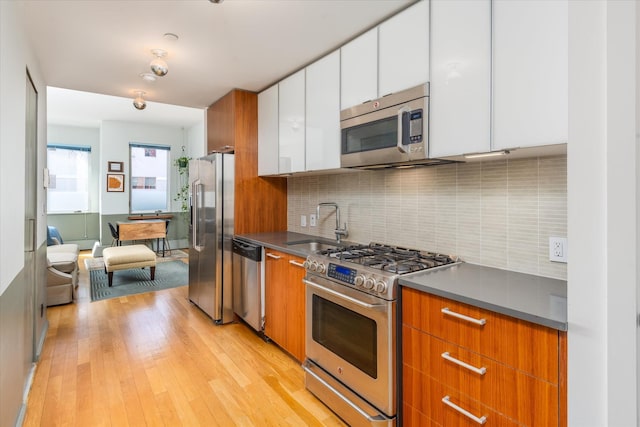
{"points": [[351, 335], [390, 135]]}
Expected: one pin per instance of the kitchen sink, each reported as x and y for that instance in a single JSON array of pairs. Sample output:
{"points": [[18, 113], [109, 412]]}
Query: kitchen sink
{"points": [[312, 245]]}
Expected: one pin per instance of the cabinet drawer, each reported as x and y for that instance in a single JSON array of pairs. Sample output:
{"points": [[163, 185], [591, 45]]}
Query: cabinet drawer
{"points": [[422, 400], [523, 345], [513, 393]]}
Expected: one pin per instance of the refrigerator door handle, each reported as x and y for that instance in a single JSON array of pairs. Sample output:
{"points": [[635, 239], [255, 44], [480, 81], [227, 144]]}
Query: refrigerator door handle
{"points": [[196, 196]]}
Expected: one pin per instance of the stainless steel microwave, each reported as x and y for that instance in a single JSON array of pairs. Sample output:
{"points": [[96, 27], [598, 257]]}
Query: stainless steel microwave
{"points": [[390, 131]]}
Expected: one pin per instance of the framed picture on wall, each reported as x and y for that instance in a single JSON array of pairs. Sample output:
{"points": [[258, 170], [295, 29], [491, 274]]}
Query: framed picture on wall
{"points": [[116, 166], [115, 182]]}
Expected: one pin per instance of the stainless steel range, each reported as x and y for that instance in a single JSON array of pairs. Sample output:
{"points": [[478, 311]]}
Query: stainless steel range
{"points": [[351, 327]]}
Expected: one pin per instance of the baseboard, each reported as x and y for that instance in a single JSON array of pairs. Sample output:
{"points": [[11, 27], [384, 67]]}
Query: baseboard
{"points": [[43, 336], [25, 396]]}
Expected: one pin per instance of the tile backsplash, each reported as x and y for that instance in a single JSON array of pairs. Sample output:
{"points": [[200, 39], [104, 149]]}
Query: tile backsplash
{"points": [[495, 213]]}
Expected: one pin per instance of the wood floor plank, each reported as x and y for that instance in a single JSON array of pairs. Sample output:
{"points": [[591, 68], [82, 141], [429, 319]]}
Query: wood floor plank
{"points": [[156, 360]]}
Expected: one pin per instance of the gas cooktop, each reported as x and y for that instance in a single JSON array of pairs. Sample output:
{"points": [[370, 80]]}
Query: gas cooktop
{"points": [[373, 268], [389, 258]]}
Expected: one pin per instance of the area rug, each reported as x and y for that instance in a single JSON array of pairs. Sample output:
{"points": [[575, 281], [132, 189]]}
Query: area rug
{"points": [[169, 274], [98, 263]]}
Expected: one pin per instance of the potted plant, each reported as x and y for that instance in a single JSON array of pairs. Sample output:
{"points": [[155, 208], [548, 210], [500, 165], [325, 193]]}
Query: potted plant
{"points": [[182, 196]]}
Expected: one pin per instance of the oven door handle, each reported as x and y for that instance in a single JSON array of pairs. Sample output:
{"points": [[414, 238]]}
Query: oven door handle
{"points": [[345, 297]]}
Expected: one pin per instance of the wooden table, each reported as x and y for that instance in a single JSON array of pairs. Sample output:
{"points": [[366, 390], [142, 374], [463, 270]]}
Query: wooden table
{"points": [[143, 230]]}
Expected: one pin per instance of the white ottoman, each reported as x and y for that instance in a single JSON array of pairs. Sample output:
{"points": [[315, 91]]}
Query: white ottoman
{"points": [[126, 257]]}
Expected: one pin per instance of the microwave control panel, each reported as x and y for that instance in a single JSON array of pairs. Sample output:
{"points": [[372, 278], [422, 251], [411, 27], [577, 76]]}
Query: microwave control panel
{"points": [[415, 126]]}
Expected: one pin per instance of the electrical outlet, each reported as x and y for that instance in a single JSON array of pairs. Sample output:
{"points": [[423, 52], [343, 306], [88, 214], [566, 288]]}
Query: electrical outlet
{"points": [[303, 220], [558, 249], [312, 220]]}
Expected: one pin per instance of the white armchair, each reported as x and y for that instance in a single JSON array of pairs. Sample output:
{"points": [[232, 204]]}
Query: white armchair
{"points": [[62, 270], [61, 286]]}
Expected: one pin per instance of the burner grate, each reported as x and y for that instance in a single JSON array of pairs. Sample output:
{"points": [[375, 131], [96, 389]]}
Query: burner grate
{"points": [[396, 260]]}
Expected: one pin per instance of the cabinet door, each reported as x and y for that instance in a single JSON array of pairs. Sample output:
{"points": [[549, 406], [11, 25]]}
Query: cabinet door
{"points": [[268, 131], [295, 308], [460, 103], [323, 113], [359, 70], [530, 73], [291, 123], [221, 124], [404, 50], [276, 268]]}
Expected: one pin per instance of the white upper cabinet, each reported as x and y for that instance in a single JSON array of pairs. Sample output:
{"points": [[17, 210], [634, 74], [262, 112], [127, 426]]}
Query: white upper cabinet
{"points": [[530, 73], [404, 50], [268, 131], [291, 123], [323, 113], [359, 70], [460, 99]]}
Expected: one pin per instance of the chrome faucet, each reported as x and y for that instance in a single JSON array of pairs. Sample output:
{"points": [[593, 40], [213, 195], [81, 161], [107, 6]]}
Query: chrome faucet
{"points": [[340, 232]]}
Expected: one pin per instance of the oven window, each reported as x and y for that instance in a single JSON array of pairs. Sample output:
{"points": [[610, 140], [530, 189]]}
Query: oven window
{"points": [[348, 334], [370, 136]]}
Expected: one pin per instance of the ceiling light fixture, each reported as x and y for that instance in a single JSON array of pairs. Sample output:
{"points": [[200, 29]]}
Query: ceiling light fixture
{"points": [[139, 101], [158, 66], [216, 1], [491, 154]]}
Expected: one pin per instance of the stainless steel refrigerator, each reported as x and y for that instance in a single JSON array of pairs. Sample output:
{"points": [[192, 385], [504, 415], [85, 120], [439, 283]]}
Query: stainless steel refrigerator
{"points": [[210, 235]]}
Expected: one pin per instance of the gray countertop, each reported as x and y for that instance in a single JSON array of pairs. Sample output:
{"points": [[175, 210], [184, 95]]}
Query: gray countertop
{"points": [[532, 298]]}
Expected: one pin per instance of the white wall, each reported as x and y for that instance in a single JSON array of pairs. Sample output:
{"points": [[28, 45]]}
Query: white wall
{"points": [[114, 146], [74, 135], [16, 57], [197, 139], [601, 172]]}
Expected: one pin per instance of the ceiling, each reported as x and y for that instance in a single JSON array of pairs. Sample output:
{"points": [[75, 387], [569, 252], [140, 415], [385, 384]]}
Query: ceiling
{"points": [[102, 46]]}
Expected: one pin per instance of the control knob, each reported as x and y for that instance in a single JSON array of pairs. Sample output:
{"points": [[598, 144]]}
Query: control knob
{"points": [[313, 266], [381, 287], [306, 264], [368, 284], [359, 280], [321, 268]]}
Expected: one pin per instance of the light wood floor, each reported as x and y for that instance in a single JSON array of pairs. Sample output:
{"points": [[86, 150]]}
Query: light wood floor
{"points": [[154, 359]]}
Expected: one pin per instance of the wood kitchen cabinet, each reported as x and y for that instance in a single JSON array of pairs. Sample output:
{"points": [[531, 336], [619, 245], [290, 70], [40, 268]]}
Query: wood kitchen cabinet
{"points": [[507, 370], [232, 121], [285, 302]]}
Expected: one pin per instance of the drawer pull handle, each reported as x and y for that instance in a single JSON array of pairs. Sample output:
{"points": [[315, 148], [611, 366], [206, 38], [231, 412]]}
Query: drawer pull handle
{"points": [[273, 256], [448, 312], [296, 263], [479, 371], [481, 420]]}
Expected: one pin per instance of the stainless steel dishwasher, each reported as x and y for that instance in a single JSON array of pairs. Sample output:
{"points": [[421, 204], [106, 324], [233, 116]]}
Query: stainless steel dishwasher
{"points": [[248, 288]]}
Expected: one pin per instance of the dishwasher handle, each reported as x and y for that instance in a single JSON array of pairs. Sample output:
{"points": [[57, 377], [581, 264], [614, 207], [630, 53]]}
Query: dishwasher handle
{"points": [[247, 250]]}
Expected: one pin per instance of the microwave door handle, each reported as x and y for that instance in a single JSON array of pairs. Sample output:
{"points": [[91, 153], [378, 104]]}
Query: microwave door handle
{"points": [[401, 111]]}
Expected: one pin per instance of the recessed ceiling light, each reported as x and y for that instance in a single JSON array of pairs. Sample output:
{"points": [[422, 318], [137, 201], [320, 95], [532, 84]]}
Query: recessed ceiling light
{"points": [[216, 1], [170, 36], [148, 77]]}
